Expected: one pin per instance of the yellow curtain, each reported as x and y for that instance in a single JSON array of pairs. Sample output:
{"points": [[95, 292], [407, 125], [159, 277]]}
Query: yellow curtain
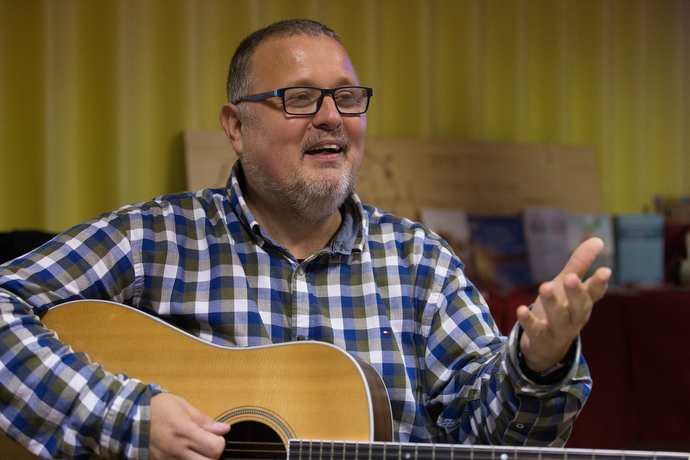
{"points": [[94, 95]]}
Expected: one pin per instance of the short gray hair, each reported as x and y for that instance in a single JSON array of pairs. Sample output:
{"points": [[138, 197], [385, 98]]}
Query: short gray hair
{"points": [[240, 74]]}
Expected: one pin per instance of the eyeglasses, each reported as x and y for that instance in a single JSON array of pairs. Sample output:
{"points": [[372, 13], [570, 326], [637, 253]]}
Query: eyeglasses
{"points": [[305, 100]]}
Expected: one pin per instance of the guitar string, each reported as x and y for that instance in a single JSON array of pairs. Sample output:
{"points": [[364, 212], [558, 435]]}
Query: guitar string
{"points": [[423, 452]]}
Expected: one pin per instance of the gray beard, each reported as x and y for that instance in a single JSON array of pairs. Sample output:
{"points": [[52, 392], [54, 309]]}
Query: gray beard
{"points": [[299, 200]]}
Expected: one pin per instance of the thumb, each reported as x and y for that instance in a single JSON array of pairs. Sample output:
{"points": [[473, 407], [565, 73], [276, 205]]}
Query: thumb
{"points": [[214, 427], [206, 422]]}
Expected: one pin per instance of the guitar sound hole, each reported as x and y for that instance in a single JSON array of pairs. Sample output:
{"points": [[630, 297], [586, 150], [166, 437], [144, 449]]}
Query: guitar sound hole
{"points": [[253, 440]]}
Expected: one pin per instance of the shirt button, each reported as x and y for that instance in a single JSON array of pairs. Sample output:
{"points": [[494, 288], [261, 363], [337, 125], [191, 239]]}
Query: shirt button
{"points": [[519, 426], [300, 271]]}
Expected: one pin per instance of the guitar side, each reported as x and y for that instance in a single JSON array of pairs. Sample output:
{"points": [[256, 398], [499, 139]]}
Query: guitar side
{"points": [[307, 390]]}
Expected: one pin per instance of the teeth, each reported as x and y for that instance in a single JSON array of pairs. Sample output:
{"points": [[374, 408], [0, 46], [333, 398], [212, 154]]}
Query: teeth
{"points": [[330, 147]]}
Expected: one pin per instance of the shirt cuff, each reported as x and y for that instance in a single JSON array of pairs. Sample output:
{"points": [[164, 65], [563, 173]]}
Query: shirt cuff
{"points": [[554, 376]]}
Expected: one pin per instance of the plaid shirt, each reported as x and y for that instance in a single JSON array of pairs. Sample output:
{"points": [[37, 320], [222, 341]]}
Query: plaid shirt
{"points": [[385, 289]]}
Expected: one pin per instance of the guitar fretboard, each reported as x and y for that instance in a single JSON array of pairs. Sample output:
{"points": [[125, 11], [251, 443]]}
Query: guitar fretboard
{"points": [[338, 450]]}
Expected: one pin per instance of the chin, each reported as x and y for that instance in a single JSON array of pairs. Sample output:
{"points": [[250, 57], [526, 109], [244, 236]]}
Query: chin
{"points": [[318, 198], [331, 182]]}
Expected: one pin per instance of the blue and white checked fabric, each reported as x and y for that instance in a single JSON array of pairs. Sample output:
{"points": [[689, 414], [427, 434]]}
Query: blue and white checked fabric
{"points": [[385, 289]]}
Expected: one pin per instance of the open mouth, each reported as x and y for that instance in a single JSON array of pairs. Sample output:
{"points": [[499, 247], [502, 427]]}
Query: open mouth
{"points": [[327, 149]]}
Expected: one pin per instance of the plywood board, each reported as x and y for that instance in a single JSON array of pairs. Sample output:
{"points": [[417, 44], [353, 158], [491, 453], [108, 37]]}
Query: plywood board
{"points": [[208, 159], [404, 175]]}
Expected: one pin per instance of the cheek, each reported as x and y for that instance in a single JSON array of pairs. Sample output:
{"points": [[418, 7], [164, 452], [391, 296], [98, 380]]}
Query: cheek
{"points": [[276, 151], [269, 142], [283, 136], [358, 126], [357, 133]]}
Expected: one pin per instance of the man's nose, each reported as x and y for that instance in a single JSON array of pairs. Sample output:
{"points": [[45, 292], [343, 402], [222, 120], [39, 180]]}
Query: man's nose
{"points": [[328, 112]]}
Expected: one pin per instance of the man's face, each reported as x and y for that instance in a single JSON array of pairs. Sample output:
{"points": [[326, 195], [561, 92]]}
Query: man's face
{"points": [[310, 162]]}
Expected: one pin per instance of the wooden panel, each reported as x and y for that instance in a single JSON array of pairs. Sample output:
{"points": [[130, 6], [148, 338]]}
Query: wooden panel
{"points": [[404, 175], [208, 158]]}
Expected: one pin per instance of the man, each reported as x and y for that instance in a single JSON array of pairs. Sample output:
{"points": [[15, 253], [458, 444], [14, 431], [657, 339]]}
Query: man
{"points": [[288, 252]]}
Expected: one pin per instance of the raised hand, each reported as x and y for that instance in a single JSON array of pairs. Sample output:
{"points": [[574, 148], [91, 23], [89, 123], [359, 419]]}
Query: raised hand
{"points": [[562, 309]]}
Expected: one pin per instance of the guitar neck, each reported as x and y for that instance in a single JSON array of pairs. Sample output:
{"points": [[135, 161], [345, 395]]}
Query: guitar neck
{"points": [[337, 450]]}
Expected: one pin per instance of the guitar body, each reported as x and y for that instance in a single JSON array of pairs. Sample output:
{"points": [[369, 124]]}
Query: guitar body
{"points": [[305, 390]]}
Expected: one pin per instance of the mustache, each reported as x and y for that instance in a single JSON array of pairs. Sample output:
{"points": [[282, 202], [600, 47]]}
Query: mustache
{"points": [[319, 136]]}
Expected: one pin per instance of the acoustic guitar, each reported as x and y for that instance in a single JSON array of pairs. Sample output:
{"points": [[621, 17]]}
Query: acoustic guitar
{"points": [[294, 401], [297, 390]]}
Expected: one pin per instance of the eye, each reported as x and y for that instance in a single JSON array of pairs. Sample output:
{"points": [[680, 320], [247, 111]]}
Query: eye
{"points": [[347, 98], [300, 97]]}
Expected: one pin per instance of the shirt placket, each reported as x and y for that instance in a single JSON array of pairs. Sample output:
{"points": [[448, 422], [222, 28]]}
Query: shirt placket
{"points": [[300, 305]]}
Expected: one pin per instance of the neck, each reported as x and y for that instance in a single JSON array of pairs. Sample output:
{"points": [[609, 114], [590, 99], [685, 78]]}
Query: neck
{"points": [[339, 450], [300, 236]]}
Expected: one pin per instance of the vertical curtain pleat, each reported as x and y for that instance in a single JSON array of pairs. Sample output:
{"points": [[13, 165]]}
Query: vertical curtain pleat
{"points": [[94, 96]]}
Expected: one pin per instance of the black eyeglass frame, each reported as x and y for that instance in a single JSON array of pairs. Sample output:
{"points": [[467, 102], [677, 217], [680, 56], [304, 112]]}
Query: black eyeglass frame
{"points": [[281, 94]]}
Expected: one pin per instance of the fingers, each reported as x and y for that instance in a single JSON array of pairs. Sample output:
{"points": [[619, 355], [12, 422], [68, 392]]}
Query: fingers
{"points": [[207, 444], [579, 303], [526, 319], [598, 283], [205, 433], [532, 320], [180, 431], [207, 441], [217, 428], [583, 257], [540, 348], [582, 295]]}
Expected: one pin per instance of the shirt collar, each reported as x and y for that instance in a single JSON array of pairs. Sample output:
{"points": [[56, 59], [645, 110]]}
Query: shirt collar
{"points": [[349, 238]]}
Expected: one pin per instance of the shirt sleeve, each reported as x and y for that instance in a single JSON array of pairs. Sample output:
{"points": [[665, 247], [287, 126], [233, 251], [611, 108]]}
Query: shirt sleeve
{"points": [[477, 391], [52, 400]]}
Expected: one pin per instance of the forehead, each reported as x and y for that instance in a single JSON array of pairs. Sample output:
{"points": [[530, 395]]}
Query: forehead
{"points": [[301, 60]]}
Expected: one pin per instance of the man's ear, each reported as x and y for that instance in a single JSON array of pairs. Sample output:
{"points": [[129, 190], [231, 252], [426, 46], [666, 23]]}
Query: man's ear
{"points": [[231, 121]]}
